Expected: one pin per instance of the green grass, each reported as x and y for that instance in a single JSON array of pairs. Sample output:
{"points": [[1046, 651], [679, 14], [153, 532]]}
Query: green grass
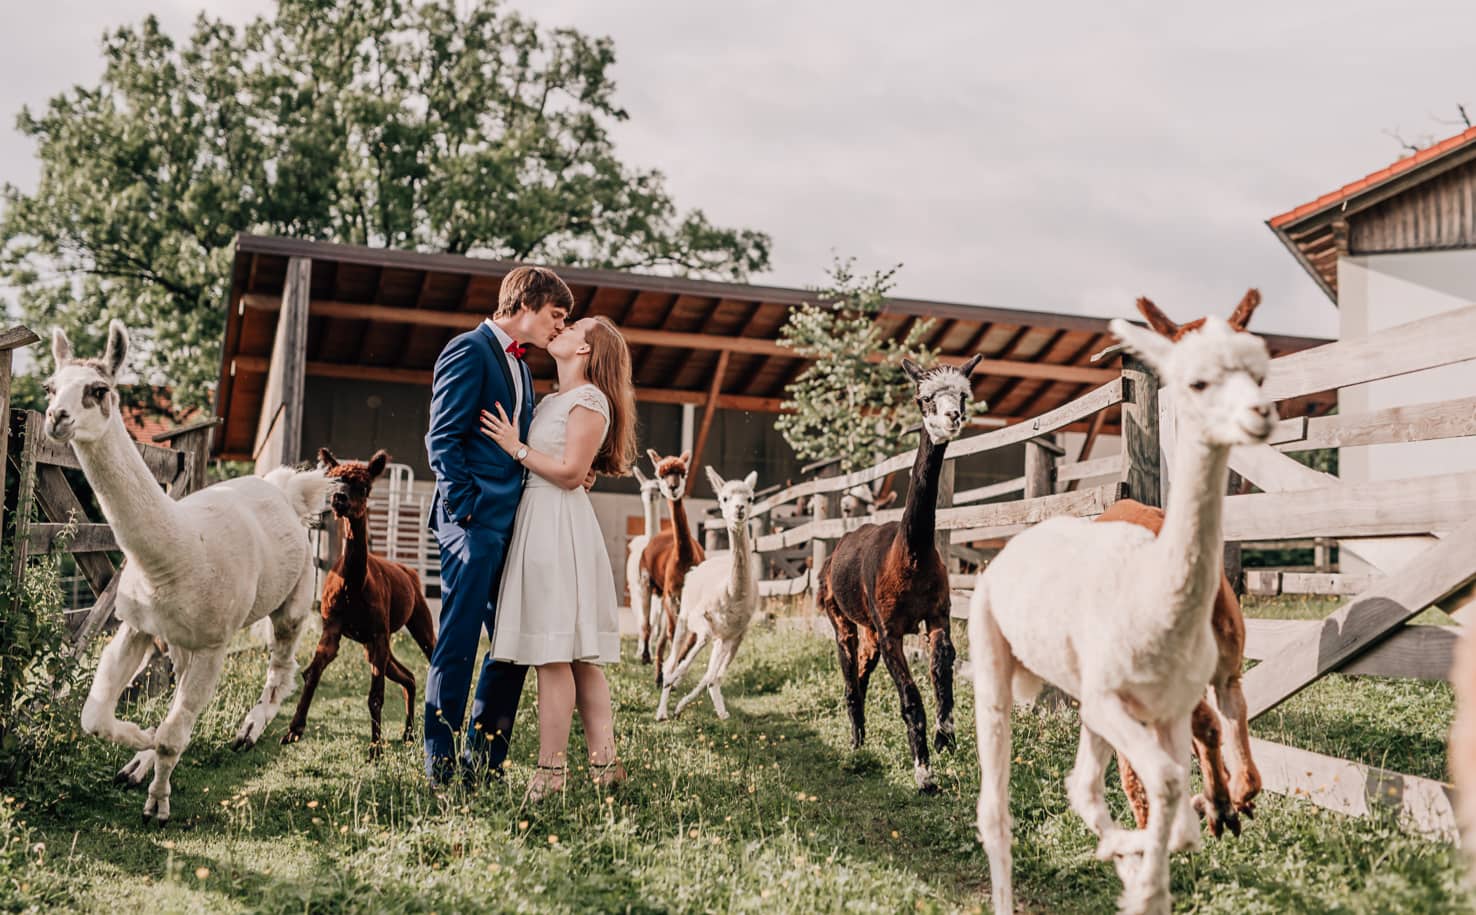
{"points": [[769, 811]]}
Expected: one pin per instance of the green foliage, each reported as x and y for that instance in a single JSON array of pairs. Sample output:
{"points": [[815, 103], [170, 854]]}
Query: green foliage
{"points": [[442, 125], [854, 402]]}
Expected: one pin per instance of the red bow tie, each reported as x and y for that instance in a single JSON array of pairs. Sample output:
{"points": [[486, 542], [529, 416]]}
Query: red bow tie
{"points": [[516, 349]]}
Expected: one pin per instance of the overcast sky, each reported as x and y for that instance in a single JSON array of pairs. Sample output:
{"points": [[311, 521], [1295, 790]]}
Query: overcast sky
{"points": [[1049, 156]]}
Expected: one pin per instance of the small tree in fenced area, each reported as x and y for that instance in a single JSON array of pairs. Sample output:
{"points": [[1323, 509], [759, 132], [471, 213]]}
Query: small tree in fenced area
{"points": [[854, 403]]}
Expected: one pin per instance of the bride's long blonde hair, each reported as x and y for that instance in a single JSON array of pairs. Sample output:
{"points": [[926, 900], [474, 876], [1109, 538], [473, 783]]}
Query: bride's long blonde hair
{"points": [[609, 370]]}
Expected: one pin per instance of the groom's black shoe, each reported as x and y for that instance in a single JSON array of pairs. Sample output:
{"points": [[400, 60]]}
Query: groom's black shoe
{"points": [[440, 772]]}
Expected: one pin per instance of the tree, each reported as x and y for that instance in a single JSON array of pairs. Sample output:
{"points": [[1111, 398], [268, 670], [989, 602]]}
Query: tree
{"points": [[854, 402], [437, 126]]}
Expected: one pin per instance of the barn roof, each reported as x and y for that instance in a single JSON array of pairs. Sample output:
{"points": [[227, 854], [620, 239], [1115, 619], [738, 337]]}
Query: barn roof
{"points": [[384, 315]]}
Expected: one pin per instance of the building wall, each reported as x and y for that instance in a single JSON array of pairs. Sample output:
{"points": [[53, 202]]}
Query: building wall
{"points": [[1376, 292]]}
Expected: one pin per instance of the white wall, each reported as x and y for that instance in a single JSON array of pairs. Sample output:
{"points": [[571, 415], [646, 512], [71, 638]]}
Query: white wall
{"points": [[1381, 291]]}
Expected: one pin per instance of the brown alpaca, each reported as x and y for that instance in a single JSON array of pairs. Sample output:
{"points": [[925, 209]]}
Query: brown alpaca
{"points": [[671, 554], [366, 598], [883, 581], [1223, 799]]}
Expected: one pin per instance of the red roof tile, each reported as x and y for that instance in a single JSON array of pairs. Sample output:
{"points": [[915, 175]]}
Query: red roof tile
{"points": [[1375, 178]]}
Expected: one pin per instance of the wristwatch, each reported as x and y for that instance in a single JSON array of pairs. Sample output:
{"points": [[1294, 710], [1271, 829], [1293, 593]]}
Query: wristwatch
{"points": [[521, 453]]}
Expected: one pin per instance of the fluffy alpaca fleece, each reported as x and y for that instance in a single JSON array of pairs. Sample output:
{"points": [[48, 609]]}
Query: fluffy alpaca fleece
{"points": [[1127, 632], [670, 555], [638, 579], [196, 570], [719, 600]]}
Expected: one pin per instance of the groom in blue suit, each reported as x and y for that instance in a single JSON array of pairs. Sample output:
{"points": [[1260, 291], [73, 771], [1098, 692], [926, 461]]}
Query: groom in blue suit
{"points": [[478, 487]]}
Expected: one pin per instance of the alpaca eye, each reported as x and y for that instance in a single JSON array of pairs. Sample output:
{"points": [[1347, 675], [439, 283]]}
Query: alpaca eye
{"points": [[49, 388], [1198, 385], [97, 391]]}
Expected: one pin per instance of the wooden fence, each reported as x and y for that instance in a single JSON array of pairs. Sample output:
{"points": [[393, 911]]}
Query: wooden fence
{"points": [[1418, 534]]}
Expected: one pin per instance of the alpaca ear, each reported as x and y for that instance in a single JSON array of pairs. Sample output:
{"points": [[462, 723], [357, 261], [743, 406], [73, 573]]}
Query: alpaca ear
{"points": [[117, 350], [1240, 318], [1145, 344], [61, 347], [376, 463], [655, 458], [326, 458], [640, 477], [913, 370], [686, 457], [714, 478], [751, 479], [968, 367], [1156, 318], [886, 500]]}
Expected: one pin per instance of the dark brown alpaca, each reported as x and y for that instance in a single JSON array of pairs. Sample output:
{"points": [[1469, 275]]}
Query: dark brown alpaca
{"points": [[886, 580], [1224, 798], [366, 598], [671, 554]]}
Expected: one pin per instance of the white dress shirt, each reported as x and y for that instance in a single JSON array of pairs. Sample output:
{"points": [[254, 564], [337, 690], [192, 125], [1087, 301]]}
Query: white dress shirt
{"points": [[514, 365]]}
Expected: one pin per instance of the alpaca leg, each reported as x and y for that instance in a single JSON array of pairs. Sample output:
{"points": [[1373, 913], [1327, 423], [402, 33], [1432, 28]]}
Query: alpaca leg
{"points": [[1213, 803], [1235, 719], [640, 606], [678, 671], [1084, 783], [654, 618], [715, 688], [1164, 775], [327, 651], [401, 674], [1177, 740], [913, 714], [140, 769], [845, 649], [1132, 786], [195, 690], [714, 664], [667, 625], [940, 656], [422, 626], [376, 653], [114, 671], [287, 624], [993, 670]]}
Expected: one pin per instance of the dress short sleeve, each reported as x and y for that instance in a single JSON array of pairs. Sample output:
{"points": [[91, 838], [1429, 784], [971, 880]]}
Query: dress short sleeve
{"points": [[592, 398]]}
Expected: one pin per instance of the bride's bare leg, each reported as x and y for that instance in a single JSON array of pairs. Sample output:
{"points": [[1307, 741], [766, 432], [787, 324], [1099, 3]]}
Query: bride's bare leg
{"points": [[592, 693], [555, 713]]}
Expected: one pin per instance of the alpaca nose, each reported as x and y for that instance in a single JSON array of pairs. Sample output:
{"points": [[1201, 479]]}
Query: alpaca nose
{"points": [[58, 415], [1263, 410]]}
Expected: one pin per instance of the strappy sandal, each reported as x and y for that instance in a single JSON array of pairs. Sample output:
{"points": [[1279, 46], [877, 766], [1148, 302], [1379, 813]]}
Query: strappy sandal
{"points": [[608, 775], [542, 786]]}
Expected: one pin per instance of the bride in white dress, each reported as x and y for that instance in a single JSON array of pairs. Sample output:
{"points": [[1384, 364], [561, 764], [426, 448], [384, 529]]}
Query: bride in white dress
{"points": [[557, 607]]}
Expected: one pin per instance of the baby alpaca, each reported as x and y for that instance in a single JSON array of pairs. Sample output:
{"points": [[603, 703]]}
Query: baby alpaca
{"points": [[1127, 631], [718, 600]]}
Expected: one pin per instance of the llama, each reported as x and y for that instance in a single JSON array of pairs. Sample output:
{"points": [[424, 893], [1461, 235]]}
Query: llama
{"points": [[669, 555], [196, 570], [637, 579], [1127, 631], [366, 598], [865, 500], [1223, 799], [719, 600], [884, 581]]}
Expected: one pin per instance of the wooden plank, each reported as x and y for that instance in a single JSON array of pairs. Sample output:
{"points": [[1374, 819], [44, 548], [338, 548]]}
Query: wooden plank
{"points": [[1085, 470], [29, 423], [1416, 505], [1442, 569], [987, 522], [61, 505], [981, 493], [1438, 340], [785, 587], [1323, 583], [709, 410], [1262, 582], [13, 338], [1141, 472], [163, 463], [1039, 469], [6, 358], [1412, 652], [1421, 804], [86, 538], [1414, 423], [97, 617]]}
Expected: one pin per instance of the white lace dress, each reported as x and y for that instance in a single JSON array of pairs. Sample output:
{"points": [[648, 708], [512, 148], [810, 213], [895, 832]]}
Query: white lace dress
{"points": [[557, 599]]}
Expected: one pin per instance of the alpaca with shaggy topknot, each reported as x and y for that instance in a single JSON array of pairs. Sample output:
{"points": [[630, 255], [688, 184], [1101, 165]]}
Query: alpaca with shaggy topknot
{"points": [[1120, 620], [195, 571]]}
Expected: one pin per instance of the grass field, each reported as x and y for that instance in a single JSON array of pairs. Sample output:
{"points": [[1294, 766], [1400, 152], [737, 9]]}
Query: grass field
{"points": [[769, 811]]}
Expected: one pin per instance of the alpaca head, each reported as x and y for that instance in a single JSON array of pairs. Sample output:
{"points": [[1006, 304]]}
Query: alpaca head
{"points": [[1162, 323], [650, 488], [863, 500], [81, 395], [671, 473], [1215, 376], [943, 395], [735, 497], [352, 482]]}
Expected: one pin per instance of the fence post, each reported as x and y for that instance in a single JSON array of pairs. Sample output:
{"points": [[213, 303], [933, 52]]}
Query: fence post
{"points": [[10, 340], [1040, 466], [822, 507], [1141, 473], [193, 440]]}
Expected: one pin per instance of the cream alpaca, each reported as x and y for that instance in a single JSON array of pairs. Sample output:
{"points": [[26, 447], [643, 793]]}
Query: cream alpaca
{"points": [[197, 570], [718, 600], [1127, 631], [637, 580]]}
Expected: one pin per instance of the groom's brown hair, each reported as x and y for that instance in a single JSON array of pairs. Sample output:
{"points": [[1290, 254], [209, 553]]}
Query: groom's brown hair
{"points": [[533, 288]]}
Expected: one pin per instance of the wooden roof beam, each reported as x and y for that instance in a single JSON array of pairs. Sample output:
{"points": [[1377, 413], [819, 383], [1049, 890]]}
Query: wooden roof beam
{"points": [[709, 409]]}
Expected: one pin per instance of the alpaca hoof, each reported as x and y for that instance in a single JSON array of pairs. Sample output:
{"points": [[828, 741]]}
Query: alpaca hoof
{"points": [[1248, 808], [943, 740], [1118, 844], [157, 811], [929, 789], [137, 771], [661, 715], [376, 747], [924, 778], [289, 737], [645, 657]]}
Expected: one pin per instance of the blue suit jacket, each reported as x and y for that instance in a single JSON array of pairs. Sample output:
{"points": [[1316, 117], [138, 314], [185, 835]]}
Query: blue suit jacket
{"points": [[478, 485]]}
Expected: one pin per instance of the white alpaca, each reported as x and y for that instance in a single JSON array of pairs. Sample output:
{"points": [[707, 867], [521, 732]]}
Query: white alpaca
{"points": [[197, 570], [1121, 621], [718, 601], [637, 580]]}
